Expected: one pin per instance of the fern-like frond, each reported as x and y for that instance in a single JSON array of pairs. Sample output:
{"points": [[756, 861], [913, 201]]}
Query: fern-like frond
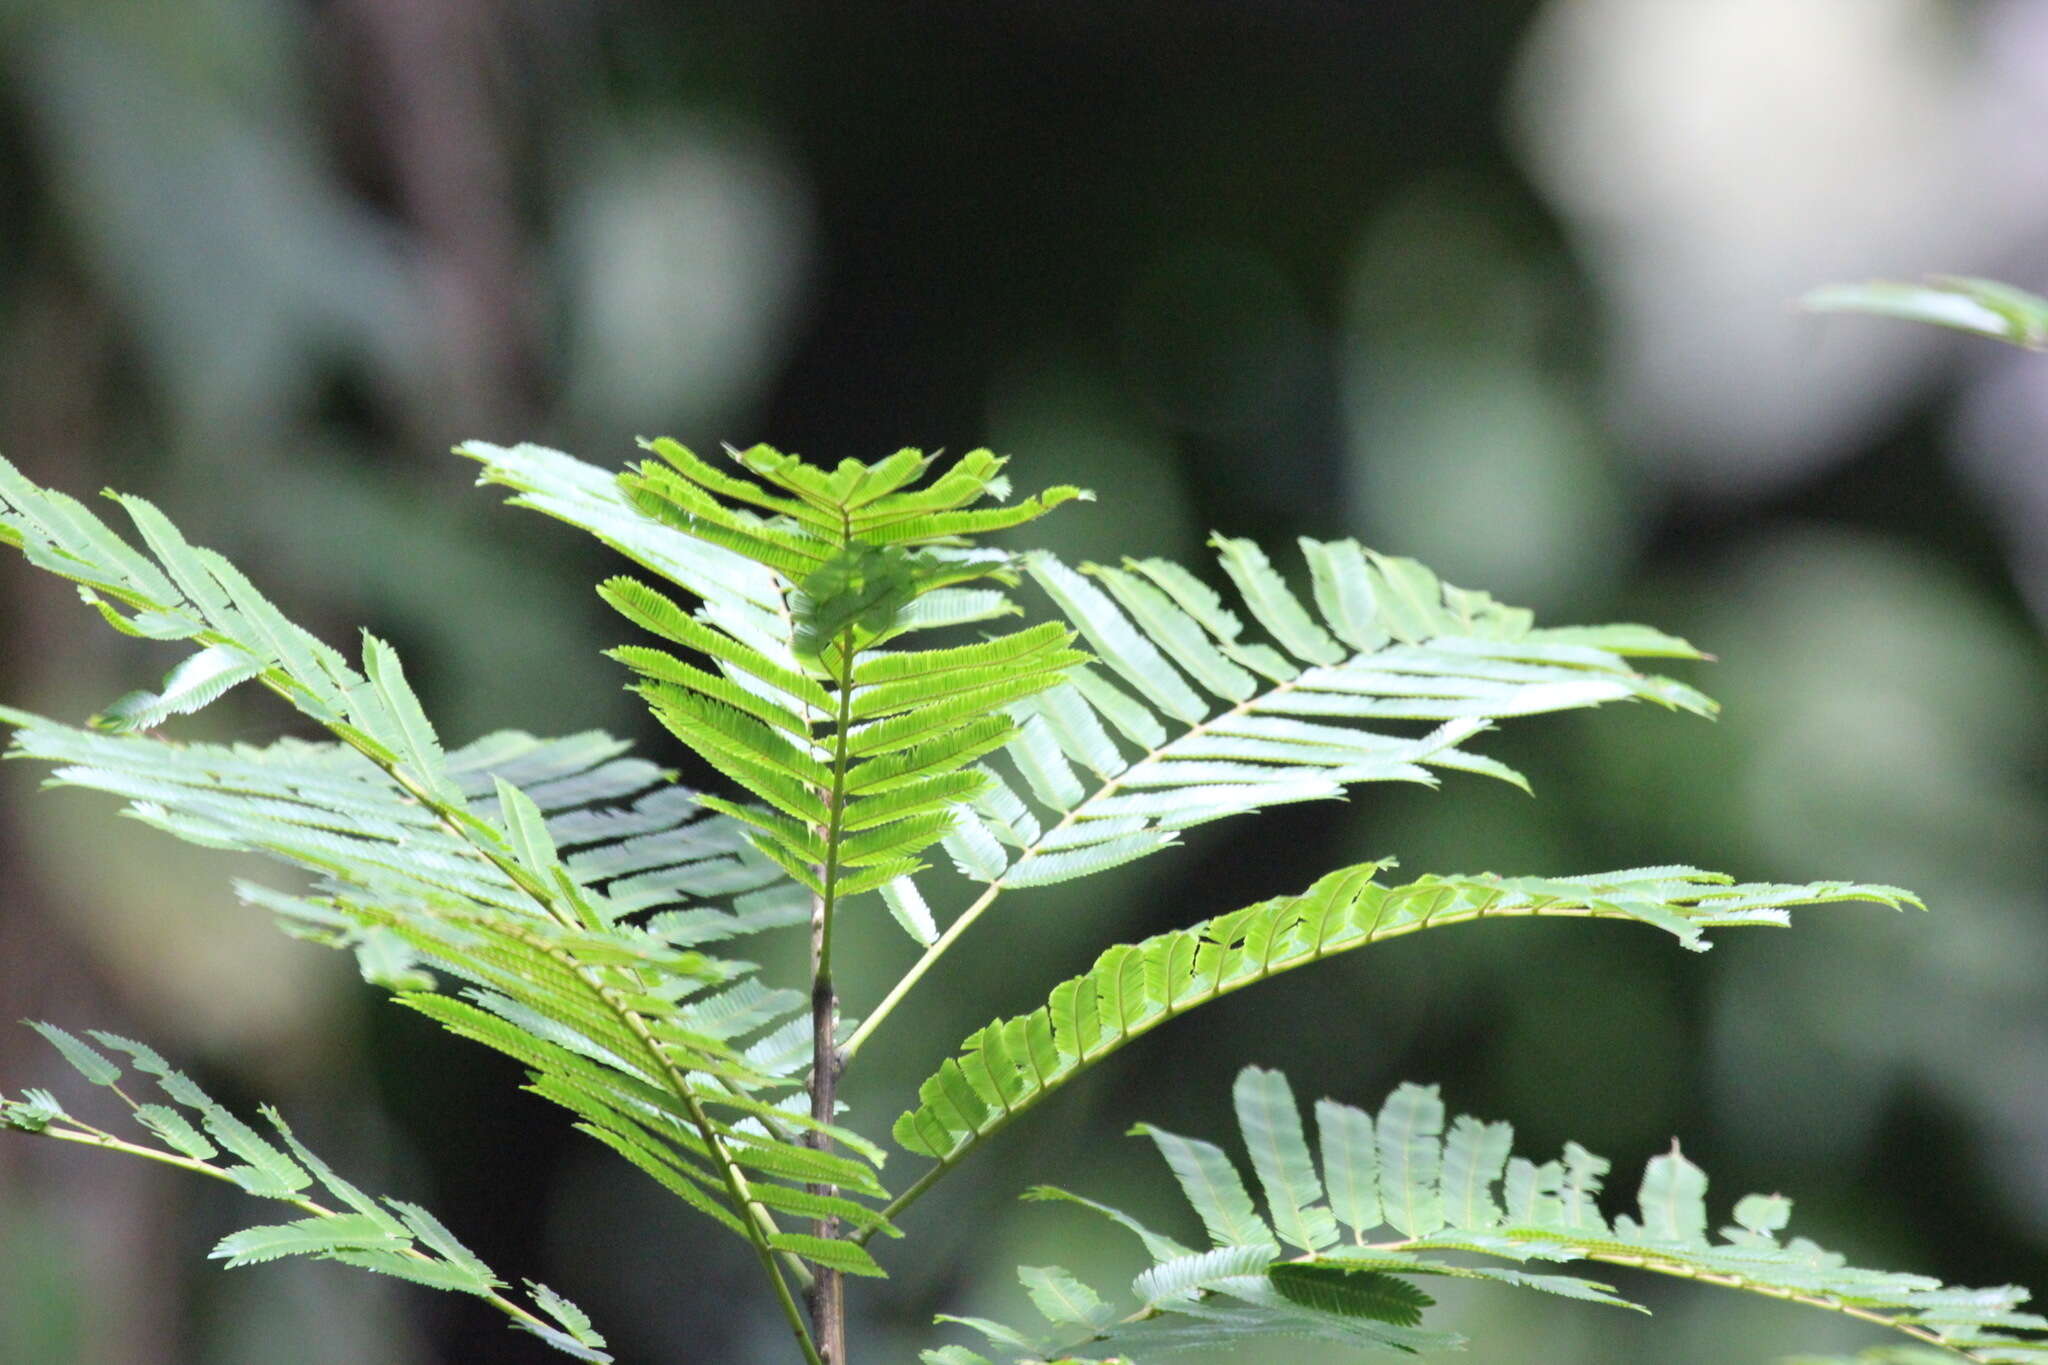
{"points": [[1187, 719], [1424, 1198], [590, 498], [388, 1236], [510, 869], [631, 841], [857, 757], [1420, 1190], [627, 1023], [1013, 1064]]}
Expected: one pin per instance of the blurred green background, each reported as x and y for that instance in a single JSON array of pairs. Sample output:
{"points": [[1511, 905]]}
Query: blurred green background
{"points": [[1500, 284]]}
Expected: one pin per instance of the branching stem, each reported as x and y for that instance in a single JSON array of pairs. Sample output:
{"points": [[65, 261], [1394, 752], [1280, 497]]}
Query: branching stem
{"points": [[966, 919], [828, 1292]]}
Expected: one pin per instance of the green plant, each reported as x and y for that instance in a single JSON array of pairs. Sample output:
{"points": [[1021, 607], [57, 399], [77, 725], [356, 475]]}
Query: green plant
{"points": [[569, 906], [1963, 303]]}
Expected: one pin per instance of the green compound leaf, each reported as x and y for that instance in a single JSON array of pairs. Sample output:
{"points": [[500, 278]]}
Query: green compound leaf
{"points": [[1012, 1065], [388, 1237], [1432, 1176]]}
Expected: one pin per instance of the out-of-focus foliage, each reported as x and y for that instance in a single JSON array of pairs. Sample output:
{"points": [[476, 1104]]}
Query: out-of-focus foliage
{"points": [[1983, 307]]}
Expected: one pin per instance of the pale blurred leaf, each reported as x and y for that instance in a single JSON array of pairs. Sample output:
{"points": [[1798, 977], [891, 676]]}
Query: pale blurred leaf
{"points": [[1983, 308]]}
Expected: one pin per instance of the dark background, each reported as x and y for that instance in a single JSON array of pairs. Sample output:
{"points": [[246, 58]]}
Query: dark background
{"points": [[1505, 286]]}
